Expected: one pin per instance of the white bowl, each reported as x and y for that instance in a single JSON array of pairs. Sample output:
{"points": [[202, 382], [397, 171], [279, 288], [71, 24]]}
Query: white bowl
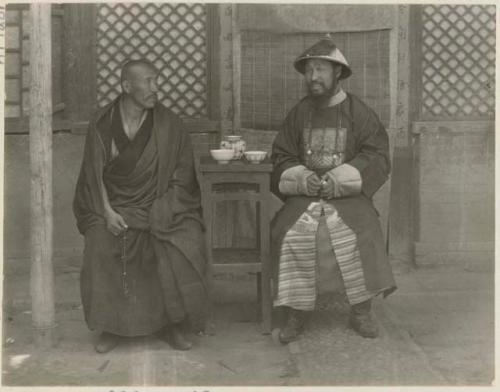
{"points": [[222, 155], [255, 156]]}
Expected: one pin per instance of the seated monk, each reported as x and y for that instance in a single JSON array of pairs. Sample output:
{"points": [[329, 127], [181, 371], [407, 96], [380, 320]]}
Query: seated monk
{"points": [[137, 203]]}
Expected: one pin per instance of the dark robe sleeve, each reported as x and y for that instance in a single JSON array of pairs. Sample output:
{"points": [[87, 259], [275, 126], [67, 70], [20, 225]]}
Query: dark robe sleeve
{"points": [[182, 198], [88, 205], [183, 189], [372, 159], [285, 150]]}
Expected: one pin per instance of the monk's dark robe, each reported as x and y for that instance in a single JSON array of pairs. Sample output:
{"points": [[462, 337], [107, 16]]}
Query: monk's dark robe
{"points": [[153, 274], [367, 151]]}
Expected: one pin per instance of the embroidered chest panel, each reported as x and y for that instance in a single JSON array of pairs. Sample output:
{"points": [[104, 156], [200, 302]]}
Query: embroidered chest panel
{"points": [[324, 148]]}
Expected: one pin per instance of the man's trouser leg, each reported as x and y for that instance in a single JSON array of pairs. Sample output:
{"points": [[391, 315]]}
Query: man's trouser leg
{"points": [[361, 320], [344, 245]]}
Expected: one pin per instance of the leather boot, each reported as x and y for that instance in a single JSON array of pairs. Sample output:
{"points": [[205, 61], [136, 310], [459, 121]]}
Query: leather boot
{"points": [[106, 342], [362, 321], [177, 340], [294, 326]]}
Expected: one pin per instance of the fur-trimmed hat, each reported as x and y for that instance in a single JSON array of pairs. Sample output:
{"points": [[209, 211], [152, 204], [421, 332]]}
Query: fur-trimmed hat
{"points": [[324, 49]]}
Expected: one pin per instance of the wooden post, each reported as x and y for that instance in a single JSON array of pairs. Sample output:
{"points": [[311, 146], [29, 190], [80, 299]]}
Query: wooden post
{"points": [[226, 67], [236, 35], [42, 275]]}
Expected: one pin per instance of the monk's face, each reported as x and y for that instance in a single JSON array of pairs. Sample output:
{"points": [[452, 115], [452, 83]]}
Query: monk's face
{"points": [[141, 86], [321, 78]]}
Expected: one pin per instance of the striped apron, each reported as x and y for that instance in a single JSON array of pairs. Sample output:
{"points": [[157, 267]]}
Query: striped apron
{"points": [[298, 267]]}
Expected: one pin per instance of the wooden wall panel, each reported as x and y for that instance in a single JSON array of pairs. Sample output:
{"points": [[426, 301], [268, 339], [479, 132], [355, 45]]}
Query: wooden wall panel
{"points": [[80, 61], [455, 203]]}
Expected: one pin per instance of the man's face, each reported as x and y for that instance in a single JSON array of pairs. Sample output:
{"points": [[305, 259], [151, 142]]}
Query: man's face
{"points": [[320, 77], [141, 86]]}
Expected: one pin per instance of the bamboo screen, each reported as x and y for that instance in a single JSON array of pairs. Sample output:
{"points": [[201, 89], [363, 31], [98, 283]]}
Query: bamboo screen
{"points": [[270, 85], [171, 36], [458, 66]]}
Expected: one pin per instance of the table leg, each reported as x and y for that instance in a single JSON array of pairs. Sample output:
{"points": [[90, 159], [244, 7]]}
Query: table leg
{"points": [[207, 216], [259, 288], [266, 273]]}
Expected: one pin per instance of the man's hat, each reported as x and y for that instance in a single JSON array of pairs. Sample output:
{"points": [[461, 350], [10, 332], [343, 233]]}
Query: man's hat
{"points": [[325, 49]]}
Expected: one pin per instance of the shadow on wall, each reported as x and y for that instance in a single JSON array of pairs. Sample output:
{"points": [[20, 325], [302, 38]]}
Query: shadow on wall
{"points": [[67, 156]]}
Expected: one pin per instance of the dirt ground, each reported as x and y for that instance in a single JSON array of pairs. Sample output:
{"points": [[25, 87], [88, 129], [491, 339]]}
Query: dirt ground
{"points": [[237, 353], [436, 329]]}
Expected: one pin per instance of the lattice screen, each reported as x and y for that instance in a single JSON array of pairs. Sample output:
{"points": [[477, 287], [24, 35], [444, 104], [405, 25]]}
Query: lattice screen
{"points": [[458, 61], [172, 36]]}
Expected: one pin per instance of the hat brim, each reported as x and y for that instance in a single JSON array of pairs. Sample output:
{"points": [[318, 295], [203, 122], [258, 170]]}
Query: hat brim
{"points": [[300, 65]]}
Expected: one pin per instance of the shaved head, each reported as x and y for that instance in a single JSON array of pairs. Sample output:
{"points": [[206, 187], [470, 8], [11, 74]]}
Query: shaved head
{"points": [[130, 68], [139, 83]]}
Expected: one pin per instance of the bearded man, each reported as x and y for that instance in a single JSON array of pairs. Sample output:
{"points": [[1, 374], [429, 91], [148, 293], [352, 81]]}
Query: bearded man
{"points": [[137, 203], [329, 159]]}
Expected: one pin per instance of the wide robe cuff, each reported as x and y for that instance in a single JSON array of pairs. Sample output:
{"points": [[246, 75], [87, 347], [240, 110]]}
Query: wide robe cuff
{"points": [[293, 181], [346, 179]]}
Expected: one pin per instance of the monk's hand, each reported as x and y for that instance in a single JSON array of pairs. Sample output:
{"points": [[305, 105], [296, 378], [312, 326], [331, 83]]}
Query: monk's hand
{"points": [[313, 184], [115, 222], [327, 188]]}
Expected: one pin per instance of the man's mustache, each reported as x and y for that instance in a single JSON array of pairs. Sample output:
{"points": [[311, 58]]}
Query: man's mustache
{"points": [[317, 84]]}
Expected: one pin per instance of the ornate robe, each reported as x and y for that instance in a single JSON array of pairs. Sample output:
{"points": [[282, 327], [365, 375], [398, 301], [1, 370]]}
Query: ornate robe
{"points": [[347, 143]]}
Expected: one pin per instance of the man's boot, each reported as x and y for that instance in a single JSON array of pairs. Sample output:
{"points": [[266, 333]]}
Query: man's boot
{"points": [[177, 340], [294, 326], [106, 342], [361, 320]]}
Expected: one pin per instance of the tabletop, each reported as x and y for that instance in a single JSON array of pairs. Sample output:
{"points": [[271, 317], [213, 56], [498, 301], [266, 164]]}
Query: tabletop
{"points": [[208, 164]]}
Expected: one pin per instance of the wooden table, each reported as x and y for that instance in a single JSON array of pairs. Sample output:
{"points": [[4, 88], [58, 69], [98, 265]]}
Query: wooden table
{"points": [[240, 180]]}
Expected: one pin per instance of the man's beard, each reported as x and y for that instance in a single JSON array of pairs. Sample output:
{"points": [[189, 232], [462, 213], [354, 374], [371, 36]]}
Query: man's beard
{"points": [[322, 100]]}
